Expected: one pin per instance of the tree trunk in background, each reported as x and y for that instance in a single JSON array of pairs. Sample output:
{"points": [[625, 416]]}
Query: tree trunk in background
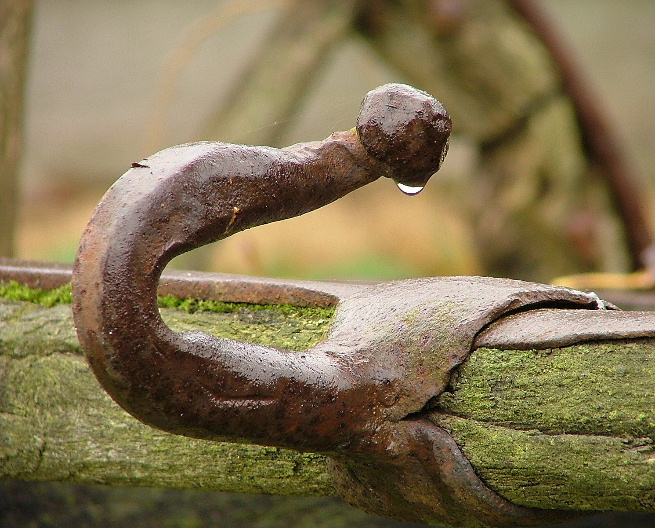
{"points": [[539, 210], [15, 22]]}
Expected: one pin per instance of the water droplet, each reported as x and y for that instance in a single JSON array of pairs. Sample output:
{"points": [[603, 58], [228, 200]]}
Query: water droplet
{"points": [[408, 189]]}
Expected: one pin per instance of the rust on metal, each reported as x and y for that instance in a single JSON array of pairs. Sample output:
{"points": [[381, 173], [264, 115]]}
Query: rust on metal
{"points": [[549, 328], [41, 275], [225, 287], [363, 395], [525, 330], [191, 195]]}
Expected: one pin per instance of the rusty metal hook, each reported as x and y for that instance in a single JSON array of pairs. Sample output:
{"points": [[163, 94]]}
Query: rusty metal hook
{"points": [[362, 395], [187, 196]]}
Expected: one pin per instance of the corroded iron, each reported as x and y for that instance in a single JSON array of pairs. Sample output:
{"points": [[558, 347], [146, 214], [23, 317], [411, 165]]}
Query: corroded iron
{"points": [[190, 195], [363, 395], [225, 287]]}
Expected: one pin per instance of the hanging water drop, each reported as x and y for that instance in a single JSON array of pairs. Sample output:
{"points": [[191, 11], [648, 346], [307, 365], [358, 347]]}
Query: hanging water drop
{"points": [[408, 189]]}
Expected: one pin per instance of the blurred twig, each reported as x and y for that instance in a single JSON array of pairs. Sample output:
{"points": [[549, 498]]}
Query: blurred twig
{"points": [[195, 36], [598, 136], [272, 87], [511, 92], [505, 86]]}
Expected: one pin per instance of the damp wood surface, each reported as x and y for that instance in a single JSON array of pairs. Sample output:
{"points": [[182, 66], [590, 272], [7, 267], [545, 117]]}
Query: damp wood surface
{"points": [[572, 425], [558, 428], [58, 424]]}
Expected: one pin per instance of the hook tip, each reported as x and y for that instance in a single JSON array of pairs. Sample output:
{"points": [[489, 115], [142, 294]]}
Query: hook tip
{"points": [[407, 129]]}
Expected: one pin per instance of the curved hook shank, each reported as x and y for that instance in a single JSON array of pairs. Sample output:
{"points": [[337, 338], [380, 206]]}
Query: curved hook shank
{"points": [[182, 198], [187, 196]]}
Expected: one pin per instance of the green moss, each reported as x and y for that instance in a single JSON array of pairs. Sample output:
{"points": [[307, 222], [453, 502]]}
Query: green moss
{"points": [[282, 326], [199, 305], [298, 331], [56, 423], [14, 291], [17, 292], [581, 389], [561, 471]]}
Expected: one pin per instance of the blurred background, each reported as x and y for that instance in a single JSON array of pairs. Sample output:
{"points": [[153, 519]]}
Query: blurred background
{"points": [[521, 194], [109, 83]]}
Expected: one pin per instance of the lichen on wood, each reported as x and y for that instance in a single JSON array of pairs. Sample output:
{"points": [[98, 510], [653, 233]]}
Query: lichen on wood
{"points": [[559, 471], [56, 422], [567, 428], [582, 389], [551, 427]]}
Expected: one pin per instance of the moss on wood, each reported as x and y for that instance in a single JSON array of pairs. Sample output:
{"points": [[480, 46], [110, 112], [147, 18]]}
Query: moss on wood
{"points": [[582, 389], [56, 422], [563, 426], [558, 428], [18, 292], [559, 471]]}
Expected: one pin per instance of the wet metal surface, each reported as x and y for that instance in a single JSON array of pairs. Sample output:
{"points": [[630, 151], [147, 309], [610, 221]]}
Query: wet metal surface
{"points": [[41, 275], [549, 328], [362, 395]]}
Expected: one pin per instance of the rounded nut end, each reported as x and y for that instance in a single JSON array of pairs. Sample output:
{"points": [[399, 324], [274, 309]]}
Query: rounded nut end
{"points": [[405, 128]]}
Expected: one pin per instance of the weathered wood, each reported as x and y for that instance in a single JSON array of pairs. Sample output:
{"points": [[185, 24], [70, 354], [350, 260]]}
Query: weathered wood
{"points": [[15, 23], [564, 428], [572, 425], [56, 422]]}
